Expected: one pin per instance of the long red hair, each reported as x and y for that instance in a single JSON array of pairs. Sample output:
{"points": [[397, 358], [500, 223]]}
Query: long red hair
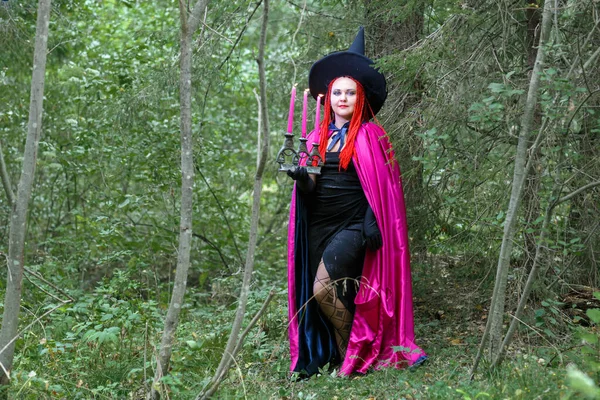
{"points": [[360, 115]]}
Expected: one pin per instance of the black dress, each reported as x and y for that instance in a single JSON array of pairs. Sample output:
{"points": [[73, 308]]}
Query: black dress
{"points": [[336, 212]]}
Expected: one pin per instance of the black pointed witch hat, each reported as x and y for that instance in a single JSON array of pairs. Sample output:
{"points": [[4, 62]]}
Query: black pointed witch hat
{"points": [[352, 63]]}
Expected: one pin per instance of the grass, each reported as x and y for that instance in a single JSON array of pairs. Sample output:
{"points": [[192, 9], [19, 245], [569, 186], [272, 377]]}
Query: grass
{"points": [[444, 376], [450, 314]]}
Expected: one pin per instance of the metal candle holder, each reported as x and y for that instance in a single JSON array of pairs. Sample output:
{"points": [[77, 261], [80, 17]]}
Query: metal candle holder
{"points": [[289, 159]]}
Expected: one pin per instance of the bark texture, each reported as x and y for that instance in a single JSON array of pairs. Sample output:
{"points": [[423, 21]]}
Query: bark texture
{"points": [[234, 341], [493, 329], [18, 221], [188, 25]]}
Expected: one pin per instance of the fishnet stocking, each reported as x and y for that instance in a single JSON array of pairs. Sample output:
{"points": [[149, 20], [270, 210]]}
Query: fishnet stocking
{"points": [[333, 309]]}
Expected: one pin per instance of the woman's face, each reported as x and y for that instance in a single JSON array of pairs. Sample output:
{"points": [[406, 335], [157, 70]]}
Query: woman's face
{"points": [[343, 99]]}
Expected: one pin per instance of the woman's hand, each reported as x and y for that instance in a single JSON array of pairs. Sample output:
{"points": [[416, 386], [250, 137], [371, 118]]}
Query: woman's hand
{"points": [[371, 231], [303, 181]]}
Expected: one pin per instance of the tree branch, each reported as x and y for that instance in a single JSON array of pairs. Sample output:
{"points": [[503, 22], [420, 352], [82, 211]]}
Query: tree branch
{"points": [[493, 330], [195, 17], [575, 193], [199, 236], [533, 272], [213, 388], [253, 322], [41, 278], [315, 12], [263, 148], [10, 195], [590, 94], [239, 36], [241, 260], [30, 325]]}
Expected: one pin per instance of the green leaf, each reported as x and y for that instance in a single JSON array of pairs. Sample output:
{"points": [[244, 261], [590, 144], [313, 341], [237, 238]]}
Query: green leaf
{"points": [[194, 345], [594, 314], [107, 317], [549, 333], [476, 107], [496, 87], [580, 382], [516, 91], [589, 337], [539, 312]]}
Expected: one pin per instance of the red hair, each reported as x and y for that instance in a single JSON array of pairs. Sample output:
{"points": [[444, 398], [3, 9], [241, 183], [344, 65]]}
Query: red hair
{"points": [[360, 115]]}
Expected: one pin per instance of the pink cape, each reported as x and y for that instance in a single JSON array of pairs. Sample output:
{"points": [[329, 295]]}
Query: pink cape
{"points": [[383, 328]]}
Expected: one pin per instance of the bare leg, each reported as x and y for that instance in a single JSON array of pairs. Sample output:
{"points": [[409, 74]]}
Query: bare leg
{"points": [[333, 309]]}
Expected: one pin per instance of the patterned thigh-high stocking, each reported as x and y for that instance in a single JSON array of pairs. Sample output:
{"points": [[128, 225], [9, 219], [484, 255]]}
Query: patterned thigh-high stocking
{"points": [[331, 306]]}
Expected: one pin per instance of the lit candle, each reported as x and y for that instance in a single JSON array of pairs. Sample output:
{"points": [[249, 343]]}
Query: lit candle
{"points": [[291, 115], [318, 113], [304, 109]]}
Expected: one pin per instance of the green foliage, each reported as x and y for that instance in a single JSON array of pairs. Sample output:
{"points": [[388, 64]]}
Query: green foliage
{"points": [[98, 343], [581, 383], [549, 318]]}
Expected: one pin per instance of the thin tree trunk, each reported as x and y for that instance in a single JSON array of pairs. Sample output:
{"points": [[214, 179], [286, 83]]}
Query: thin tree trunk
{"points": [[532, 274], [531, 202], [18, 221], [188, 26], [233, 344], [496, 314]]}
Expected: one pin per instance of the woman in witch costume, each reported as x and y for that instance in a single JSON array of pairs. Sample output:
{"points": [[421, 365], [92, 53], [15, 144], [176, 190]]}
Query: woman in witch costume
{"points": [[350, 296]]}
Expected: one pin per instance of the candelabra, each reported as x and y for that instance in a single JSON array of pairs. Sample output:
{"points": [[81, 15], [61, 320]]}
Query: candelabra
{"points": [[289, 159]]}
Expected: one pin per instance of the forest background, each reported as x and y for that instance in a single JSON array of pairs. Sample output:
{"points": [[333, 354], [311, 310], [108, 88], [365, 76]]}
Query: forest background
{"points": [[102, 232]]}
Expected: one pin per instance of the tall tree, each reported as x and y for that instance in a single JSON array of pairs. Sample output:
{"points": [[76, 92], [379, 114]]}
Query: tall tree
{"points": [[18, 221], [233, 343], [494, 330], [190, 21]]}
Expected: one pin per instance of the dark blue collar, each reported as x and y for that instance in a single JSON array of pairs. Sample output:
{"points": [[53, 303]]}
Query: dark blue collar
{"points": [[338, 135]]}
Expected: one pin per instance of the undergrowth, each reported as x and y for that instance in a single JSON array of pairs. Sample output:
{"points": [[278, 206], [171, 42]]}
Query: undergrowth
{"points": [[102, 346]]}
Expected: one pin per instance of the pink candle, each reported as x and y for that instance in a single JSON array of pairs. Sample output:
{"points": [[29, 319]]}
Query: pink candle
{"points": [[318, 113], [291, 115], [304, 109]]}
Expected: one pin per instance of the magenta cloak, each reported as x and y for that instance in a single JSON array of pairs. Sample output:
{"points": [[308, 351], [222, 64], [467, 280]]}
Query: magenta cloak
{"points": [[383, 330]]}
